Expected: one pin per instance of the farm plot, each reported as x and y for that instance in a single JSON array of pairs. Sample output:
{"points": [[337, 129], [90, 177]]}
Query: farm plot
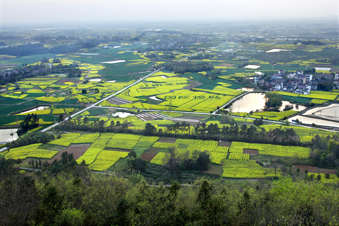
{"points": [[148, 156], [123, 141], [270, 149], [144, 144], [319, 96], [183, 146], [246, 169], [150, 116], [29, 151], [160, 158], [66, 139], [239, 156], [151, 89], [76, 150], [91, 153], [86, 138], [106, 159], [186, 100], [271, 115], [118, 101]]}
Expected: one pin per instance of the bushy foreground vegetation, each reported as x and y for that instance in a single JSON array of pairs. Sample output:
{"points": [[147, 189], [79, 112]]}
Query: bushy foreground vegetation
{"points": [[78, 197]]}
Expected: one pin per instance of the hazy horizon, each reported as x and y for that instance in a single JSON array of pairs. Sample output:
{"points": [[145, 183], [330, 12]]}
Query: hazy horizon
{"points": [[19, 12]]}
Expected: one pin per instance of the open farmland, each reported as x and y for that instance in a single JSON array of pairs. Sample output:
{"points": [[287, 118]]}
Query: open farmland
{"points": [[269, 149], [183, 101], [30, 151], [106, 159], [245, 169]]}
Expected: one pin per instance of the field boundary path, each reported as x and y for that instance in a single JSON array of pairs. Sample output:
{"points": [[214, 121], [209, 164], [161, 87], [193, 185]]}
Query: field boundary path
{"points": [[110, 96], [100, 101]]}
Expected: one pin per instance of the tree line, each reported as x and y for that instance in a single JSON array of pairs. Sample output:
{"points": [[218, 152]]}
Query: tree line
{"points": [[182, 67], [31, 71], [75, 196], [202, 131]]}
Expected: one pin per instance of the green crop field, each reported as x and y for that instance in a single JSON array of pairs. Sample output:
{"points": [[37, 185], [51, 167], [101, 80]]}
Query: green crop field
{"points": [[123, 141], [29, 151], [245, 169], [66, 139], [86, 138], [106, 159], [160, 158], [239, 156], [270, 149], [189, 91]]}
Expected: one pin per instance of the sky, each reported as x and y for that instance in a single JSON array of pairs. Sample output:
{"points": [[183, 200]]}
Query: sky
{"points": [[70, 11]]}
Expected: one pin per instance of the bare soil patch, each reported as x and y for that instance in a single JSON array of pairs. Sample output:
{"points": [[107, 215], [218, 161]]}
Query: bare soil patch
{"points": [[76, 150], [251, 151], [214, 169], [167, 140], [153, 150], [314, 169], [117, 149], [224, 144], [118, 101], [65, 80], [148, 156], [226, 65], [193, 84]]}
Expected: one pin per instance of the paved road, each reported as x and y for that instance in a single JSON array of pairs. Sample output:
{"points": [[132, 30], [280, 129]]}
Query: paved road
{"points": [[100, 101], [106, 98]]}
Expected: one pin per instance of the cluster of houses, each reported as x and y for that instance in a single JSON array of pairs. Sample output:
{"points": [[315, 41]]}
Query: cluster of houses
{"points": [[296, 82]]}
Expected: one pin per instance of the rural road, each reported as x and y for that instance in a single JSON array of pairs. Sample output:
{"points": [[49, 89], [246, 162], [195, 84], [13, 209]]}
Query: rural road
{"points": [[100, 101], [108, 97]]}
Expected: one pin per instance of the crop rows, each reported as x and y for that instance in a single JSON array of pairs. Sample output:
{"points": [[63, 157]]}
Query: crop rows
{"points": [[270, 149], [160, 158], [86, 138], [246, 169], [217, 157], [29, 151], [123, 141], [106, 159], [189, 141], [90, 155], [164, 145], [66, 139], [239, 156]]}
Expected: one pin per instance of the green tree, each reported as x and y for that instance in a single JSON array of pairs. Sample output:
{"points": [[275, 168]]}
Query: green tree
{"points": [[150, 129]]}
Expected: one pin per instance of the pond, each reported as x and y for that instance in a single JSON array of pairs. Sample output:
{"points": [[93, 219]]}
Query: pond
{"points": [[323, 69], [95, 80], [295, 106], [113, 62], [34, 109], [256, 101], [89, 54], [252, 66], [249, 102], [154, 98], [121, 114], [327, 112], [8, 135], [308, 120], [277, 50]]}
